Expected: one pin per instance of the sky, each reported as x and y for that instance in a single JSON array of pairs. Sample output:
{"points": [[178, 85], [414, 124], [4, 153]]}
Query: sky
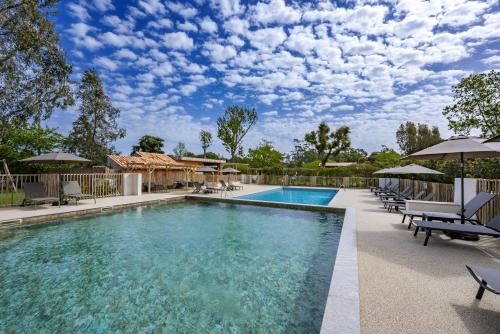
{"points": [[173, 67]]}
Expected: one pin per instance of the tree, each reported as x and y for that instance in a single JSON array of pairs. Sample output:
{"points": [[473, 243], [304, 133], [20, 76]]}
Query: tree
{"points": [[206, 141], [96, 127], [412, 138], [34, 74], [25, 141], [352, 155], [302, 153], [264, 155], [148, 143], [233, 126], [386, 157], [328, 143], [476, 105], [180, 150]]}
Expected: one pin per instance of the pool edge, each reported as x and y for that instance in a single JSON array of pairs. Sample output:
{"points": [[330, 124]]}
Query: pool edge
{"points": [[342, 313]]}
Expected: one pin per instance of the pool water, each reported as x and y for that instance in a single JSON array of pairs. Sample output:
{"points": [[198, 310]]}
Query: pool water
{"points": [[294, 195], [179, 268]]}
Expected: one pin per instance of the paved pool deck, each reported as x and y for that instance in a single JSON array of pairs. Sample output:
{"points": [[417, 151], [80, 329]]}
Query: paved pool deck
{"points": [[408, 288], [404, 286]]}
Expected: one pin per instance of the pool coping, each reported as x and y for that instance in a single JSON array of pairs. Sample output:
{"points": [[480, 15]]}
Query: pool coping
{"points": [[342, 313]]}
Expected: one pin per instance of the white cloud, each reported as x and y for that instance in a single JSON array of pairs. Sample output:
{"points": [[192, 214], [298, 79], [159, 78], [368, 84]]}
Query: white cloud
{"points": [[103, 5], [110, 38], [78, 11], [178, 41], [181, 9], [187, 26], [125, 54], [268, 98], [276, 11], [208, 25], [152, 7], [227, 8], [267, 38], [160, 24], [219, 53], [236, 26], [106, 63]]}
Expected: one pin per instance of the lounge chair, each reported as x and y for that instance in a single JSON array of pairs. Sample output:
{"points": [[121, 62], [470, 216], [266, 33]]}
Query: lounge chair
{"points": [[470, 207], [390, 189], [199, 188], [403, 194], [225, 185], [398, 204], [72, 190], [236, 185], [491, 229], [36, 194], [488, 279]]}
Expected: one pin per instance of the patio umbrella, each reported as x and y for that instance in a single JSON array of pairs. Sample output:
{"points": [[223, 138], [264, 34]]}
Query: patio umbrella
{"points": [[230, 170], [384, 171], [459, 148], [495, 139], [56, 158], [206, 169], [413, 169]]}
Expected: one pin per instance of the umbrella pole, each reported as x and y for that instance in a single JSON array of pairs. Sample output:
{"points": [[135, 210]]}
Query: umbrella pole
{"points": [[462, 204]]}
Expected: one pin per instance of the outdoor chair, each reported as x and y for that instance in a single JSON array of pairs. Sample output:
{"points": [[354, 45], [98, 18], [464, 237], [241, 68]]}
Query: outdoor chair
{"points": [[403, 194], [34, 193], [398, 204], [470, 207], [491, 229], [199, 188], [236, 185], [390, 190], [488, 279], [225, 185], [72, 190]]}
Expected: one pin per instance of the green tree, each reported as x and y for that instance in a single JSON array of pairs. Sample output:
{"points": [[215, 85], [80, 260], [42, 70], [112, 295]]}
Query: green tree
{"points": [[328, 143], [34, 74], [180, 150], [412, 138], [386, 157], [25, 141], [233, 126], [352, 155], [302, 153], [206, 141], [96, 127], [264, 155], [476, 105], [148, 143]]}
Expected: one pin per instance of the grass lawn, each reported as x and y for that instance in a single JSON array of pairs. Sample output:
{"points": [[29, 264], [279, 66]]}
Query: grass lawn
{"points": [[11, 198]]}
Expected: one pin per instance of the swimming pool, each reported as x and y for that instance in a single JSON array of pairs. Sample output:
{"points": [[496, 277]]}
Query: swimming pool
{"points": [[190, 268], [294, 195]]}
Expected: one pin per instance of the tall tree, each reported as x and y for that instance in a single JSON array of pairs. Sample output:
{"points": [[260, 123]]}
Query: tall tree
{"points": [[264, 155], [206, 141], [412, 138], [96, 128], [34, 74], [302, 153], [328, 143], [233, 126], [180, 150], [148, 143], [476, 105]]}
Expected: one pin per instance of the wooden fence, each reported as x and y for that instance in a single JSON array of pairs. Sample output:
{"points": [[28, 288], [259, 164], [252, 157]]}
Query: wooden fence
{"points": [[100, 184], [491, 209], [442, 192]]}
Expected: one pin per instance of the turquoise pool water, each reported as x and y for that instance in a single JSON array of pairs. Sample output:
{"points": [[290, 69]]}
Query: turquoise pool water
{"points": [[294, 195], [183, 268]]}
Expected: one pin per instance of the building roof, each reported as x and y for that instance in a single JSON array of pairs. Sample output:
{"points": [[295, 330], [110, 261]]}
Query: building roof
{"points": [[213, 161], [143, 159], [157, 158], [339, 164]]}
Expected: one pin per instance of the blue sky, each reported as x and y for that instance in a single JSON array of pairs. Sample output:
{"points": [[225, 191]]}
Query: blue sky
{"points": [[172, 67]]}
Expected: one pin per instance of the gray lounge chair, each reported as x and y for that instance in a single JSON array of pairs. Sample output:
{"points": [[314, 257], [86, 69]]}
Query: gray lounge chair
{"points": [[488, 279], [225, 185], [72, 190], [471, 208], [491, 229], [199, 188], [34, 193], [398, 203]]}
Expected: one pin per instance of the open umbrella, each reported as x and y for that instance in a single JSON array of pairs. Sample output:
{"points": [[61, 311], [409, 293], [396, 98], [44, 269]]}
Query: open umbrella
{"points": [[459, 148], [413, 169], [384, 171], [495, 139], [230, 170], [206, 169], [56, 158]]}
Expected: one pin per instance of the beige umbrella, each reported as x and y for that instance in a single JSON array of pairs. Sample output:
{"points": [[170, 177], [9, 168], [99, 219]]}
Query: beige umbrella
{"points": [[413, 169], [459, 148], [384, 171], [56, 157]]}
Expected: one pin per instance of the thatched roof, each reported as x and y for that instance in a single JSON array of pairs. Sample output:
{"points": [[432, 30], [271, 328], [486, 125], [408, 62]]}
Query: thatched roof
{"points": [[144, 160]]}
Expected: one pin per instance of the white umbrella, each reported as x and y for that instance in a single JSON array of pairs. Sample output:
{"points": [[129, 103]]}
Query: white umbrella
{"points": [[459, 148]]}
